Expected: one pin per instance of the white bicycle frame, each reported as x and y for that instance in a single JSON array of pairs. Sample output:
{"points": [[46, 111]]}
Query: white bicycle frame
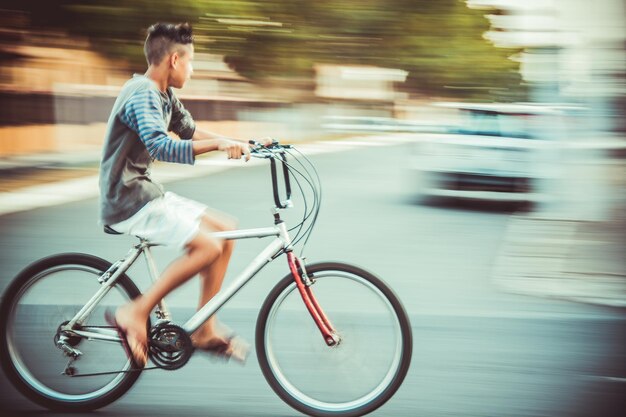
{"points": [[281, 243], [108, 279]]}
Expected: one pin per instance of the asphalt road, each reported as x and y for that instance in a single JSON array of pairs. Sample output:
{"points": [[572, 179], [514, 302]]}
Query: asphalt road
{"points": [[477, 351]]}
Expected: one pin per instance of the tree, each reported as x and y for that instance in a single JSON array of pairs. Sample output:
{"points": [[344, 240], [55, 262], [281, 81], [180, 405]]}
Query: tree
{"points": [[438, 42]]}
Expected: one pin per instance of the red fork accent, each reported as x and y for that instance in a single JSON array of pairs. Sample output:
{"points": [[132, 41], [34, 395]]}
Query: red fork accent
{"points": [[322, 322]]}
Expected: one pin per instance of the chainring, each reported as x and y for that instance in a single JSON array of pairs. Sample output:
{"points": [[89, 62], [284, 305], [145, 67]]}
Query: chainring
{"points": [[170, 346]]}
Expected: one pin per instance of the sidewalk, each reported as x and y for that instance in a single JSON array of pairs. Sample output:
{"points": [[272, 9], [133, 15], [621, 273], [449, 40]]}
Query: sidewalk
{"points": [[43, 192], [554, 253], [16, 164], [81, 187], [565, 259]]}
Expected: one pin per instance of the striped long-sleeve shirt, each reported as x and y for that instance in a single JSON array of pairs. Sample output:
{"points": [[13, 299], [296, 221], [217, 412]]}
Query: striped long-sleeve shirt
{"points": [[146, 113], [137, 134]]}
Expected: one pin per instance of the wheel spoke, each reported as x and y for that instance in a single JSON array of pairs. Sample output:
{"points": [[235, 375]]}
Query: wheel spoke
{"points": [[43, 299], [359, 373]]}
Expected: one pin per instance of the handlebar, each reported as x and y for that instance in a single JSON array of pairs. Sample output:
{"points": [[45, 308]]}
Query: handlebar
{"points": [[273, 152]]}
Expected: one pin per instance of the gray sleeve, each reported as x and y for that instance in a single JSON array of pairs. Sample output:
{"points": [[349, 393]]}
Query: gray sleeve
{"points": [[143, 114], [181, 123]]}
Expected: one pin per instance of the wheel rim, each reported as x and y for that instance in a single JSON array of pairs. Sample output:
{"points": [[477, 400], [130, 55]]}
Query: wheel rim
{"points": [[309, 400], [18, 358]]}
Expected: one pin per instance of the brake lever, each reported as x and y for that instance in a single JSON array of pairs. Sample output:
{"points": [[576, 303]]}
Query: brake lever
{"points": [[259, 148]]}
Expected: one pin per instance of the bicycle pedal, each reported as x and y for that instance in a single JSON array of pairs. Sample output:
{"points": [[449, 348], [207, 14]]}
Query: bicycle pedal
{"points": [[70, 371]]}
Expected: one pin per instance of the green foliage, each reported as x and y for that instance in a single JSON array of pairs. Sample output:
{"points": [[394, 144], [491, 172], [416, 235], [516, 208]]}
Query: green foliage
{"points": [[439, 42]]}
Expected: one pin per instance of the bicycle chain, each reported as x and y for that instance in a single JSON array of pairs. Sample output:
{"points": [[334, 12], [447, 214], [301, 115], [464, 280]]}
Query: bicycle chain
{"points": [[114, 372], [110, 372]]}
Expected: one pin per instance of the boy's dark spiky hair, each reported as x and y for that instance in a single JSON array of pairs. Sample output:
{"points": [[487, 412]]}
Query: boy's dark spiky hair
{"points": [[162, 36], [180, 33]]}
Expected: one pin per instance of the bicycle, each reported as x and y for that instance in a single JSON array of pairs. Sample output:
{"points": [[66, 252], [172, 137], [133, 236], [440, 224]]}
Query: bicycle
{"points": [[353, 332]]}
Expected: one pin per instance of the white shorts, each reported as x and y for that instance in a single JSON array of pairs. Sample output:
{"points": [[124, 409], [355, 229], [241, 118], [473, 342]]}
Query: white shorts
{"points": [[170, 220]]}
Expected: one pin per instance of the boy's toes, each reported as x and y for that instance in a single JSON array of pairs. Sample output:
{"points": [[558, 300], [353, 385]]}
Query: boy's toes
{"points": [[139, 351]]}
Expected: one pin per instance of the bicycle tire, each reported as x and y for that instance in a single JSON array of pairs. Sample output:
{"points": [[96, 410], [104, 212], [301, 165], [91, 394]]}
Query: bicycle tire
{"points": [[13, 361], [271, 366]]}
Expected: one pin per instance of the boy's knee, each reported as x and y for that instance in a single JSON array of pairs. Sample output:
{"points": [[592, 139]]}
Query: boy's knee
{"points": [[207, 245], [214, 247]]}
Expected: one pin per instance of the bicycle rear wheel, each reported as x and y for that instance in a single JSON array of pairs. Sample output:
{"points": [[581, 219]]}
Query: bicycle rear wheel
{"points": [[359, 374], [45, 295]]}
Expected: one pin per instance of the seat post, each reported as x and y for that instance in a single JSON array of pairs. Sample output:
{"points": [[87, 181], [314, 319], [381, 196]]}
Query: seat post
{"points": [[161, 311]]}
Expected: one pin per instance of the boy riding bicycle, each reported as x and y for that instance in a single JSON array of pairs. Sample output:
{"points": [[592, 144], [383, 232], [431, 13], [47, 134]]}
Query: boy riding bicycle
{"points": [[132, 203]]}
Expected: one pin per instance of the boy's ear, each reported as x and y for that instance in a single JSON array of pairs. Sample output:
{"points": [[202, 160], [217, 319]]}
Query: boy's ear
{"points": [[174, 60]]}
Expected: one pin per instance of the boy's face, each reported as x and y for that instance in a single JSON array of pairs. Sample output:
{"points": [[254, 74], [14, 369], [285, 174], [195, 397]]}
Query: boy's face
{"points": [[181, 68]]}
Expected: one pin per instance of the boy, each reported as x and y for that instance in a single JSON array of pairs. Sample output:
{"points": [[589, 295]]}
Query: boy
{"points": [[132, 203]]}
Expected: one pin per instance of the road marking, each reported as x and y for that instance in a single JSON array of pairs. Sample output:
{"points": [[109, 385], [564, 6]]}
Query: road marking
{"points": [[606, 378]]}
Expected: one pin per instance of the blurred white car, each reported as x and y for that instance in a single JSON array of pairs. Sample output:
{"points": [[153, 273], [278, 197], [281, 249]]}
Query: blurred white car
{"points": [[495, 152]]}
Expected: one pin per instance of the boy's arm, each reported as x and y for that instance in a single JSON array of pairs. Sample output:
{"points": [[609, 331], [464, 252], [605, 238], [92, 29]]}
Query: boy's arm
{"points": [[206, 141], [143, 114], [203, 140], [233, 148]]}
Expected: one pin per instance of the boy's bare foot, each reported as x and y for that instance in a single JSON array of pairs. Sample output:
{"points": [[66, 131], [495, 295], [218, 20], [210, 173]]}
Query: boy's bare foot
{"points": [[232, 347], [225, 344], [133, 324]]}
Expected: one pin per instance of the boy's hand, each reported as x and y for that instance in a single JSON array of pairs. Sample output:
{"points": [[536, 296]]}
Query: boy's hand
{"points": [[234, 149], [267, 141]]}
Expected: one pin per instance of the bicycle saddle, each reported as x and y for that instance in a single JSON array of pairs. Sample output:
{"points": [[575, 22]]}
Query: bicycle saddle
{"points": [[110, 231]]}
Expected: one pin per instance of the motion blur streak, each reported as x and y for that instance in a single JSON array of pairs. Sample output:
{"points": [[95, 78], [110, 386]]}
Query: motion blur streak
{"points": [[473, 154]]}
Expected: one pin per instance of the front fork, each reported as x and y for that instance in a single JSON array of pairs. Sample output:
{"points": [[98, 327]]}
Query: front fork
{"points": [[304, 287]]}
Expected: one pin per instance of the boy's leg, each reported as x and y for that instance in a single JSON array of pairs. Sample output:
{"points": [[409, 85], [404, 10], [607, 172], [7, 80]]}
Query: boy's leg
{"points": [[210, 336], [201, 250], [212, 276]]}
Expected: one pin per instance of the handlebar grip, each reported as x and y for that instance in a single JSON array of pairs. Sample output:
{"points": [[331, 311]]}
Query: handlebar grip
{"points": [[286, 175], [277, 201], [275, 184], [283, 159]]}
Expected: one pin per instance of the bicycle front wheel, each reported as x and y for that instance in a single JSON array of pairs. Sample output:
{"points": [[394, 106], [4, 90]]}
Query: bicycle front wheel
{"points": [[352, 378], [42, 298]]}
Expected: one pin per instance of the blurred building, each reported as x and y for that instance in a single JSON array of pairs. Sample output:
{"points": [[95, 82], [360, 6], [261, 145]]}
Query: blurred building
{"points": [[573, 51], [352, 82], [574, 60], [56, 91]]}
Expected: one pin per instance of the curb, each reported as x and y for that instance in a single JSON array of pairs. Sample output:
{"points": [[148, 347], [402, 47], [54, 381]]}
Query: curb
{"points": [[46, 195], [537, 257], [18, 164]]}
